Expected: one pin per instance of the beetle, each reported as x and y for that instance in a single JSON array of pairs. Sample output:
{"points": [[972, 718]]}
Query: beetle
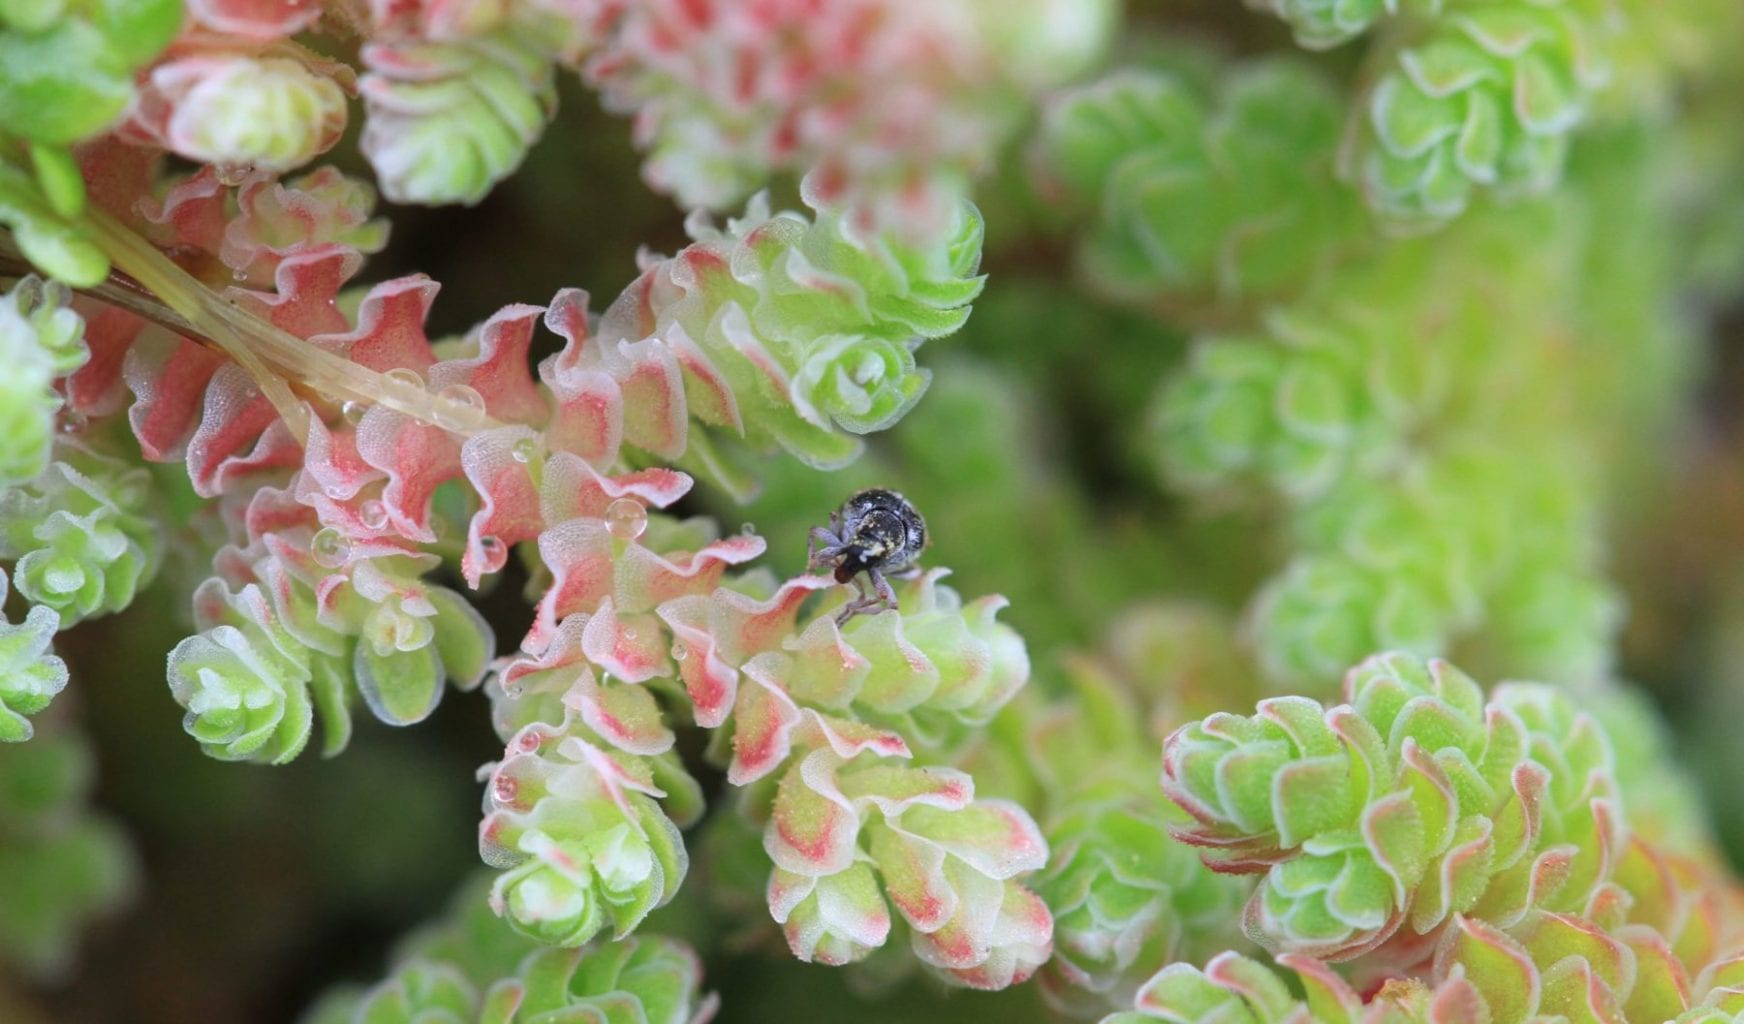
{"points": [[876, 532]]}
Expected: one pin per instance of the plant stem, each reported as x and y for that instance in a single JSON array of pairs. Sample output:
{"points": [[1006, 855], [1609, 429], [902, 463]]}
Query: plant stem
{"points": [[277, 360]]}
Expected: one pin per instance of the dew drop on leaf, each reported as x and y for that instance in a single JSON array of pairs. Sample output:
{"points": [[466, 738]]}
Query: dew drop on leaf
{"points": [[404, 379], [330, 547], [459, 407], [373, 513], [626, 518]]}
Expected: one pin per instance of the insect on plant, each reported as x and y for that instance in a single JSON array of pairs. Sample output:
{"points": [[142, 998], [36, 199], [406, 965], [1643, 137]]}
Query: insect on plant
{"points": [[877, 532]]}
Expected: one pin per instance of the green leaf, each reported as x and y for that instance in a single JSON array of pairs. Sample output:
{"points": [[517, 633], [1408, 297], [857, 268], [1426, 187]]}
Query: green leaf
{"points": [[463, 638], [31, 15], [329, 692], [63, 85], [57, 175], [60, 249], [400, 687], [138, 30]]}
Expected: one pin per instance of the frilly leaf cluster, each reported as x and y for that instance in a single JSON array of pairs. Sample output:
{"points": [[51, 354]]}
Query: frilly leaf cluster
{"points": [[1320, 24], [40, 339], [1628, 963], [1470, 858], [1202, 190], [469, 967], [31, 675], [448, 119], [1415, 801], [801, 332], [886, 108], [1400, 413], [1484, 99], [284, 641], [1126, 894], [1382, 825], [1465, 98], [80, 534], [1454, 105], [816, 719], [454, 95]]}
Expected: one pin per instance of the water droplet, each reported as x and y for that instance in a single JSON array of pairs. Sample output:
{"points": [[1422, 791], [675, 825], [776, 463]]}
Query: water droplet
{"points": [[353, 412], [373, 513], [239, 276], [492, 547], [748, 530], [507, 788], [330, 547], [404, 379], [680, 652], [459, 407], [626, 518], [630, 633], [232, 175], [335, 490], [524, 450], [28, 295]]}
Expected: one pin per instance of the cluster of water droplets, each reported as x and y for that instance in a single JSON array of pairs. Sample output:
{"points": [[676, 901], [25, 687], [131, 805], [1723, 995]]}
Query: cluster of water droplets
{"points": [[456, 407]]}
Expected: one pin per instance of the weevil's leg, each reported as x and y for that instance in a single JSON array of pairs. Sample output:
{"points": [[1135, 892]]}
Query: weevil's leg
{"points": [[825, 559], [860, 603], [853, 608], [886, 595], [832, 546]]}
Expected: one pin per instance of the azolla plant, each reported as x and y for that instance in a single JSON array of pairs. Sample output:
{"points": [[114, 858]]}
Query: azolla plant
{"points": [[1375, 345]]}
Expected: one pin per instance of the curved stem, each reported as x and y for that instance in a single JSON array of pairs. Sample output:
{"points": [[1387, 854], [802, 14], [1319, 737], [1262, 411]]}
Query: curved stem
{"points": [[273, 357], [182, 293]]}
